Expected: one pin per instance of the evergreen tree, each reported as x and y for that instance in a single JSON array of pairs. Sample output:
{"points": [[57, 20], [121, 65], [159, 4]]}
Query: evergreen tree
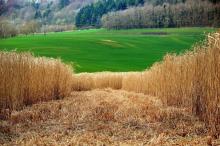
{"points": [[214, 1], [92, 14], [2, 7], [63, 3], [121, 5], [37, 14]]}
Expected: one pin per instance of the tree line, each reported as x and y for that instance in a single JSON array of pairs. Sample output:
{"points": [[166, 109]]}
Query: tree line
{"points": [[190, 13], [91, 15], [37, 16], [8, 29], [47, 12]]}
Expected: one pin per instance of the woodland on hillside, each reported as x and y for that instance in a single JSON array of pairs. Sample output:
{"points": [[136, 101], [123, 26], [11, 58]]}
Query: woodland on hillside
{"points": [[47, 12], [188, 14], [29, 17], [149, 13]]}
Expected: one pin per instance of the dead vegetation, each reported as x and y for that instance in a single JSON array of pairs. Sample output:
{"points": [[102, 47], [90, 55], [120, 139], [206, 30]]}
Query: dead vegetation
{"points": [[191, 80], [26, 80], [105, 117], [89, 81]]}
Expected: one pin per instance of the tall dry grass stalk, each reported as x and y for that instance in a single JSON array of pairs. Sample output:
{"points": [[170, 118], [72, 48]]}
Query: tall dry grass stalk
{"points": [[89, 81], [189, 80], [26, 80]]}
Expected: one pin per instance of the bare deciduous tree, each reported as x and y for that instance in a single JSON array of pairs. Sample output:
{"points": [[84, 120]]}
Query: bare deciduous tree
{"points": [[191, 13], [7, 29]]}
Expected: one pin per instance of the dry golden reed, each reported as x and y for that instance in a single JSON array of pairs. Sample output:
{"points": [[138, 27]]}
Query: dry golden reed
{"points": [[89, 81], [26, 80], [189, 80]]}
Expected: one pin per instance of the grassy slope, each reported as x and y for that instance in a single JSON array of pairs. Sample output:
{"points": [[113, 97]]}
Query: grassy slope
{"points": [[103, 50]]}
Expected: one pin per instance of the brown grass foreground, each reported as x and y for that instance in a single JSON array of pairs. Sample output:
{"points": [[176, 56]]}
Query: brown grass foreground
{"points": [[190, 80], [26, 80], [104, 117]]}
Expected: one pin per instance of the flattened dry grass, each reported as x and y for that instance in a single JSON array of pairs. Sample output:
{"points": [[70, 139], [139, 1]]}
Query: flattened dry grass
{"points": [[107, 117]]}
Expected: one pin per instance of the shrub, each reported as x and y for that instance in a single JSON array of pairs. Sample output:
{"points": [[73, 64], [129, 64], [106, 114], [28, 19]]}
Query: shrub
{"points": [[56, 28], [30, 27], [7, 29]]}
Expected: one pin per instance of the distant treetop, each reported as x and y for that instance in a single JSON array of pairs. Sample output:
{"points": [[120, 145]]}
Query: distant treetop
{"points": [[90, 15]]}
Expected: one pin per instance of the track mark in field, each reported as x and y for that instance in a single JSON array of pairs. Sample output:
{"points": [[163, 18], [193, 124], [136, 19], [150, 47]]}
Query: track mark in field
{"points": [[155, 33], [111, 43]]}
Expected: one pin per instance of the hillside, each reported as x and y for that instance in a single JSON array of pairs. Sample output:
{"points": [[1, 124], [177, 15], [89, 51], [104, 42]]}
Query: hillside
{"points": [[99, 50], [48, 12], [149, 14], [91, 15], [175, 102], [27, 17], [189, 14]]}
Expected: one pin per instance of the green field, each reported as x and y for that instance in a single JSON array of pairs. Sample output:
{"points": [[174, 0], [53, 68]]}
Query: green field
{"points": [[108, 50]]}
